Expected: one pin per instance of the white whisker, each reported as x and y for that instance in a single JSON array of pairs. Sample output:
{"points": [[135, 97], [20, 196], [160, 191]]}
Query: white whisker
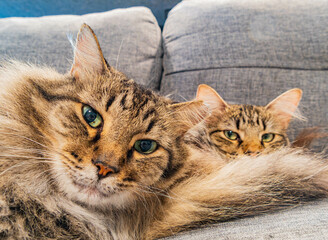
{"points": [[118, 55]]}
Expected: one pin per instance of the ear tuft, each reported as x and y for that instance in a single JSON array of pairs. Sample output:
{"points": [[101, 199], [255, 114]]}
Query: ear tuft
{"points": [[88, 56], [211, 98], [188, 114], [285, 105]]}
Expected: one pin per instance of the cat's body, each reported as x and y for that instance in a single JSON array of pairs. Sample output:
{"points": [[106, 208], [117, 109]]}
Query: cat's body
{"points": [[91, 155]]}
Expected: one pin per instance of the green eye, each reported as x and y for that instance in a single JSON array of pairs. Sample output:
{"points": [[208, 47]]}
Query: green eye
{"points": [[267, 137], [231, 135], [145, 146], [91, 116]]}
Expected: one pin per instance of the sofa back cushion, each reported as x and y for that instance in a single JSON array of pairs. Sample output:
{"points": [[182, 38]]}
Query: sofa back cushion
{"points": [[250, 52], [130, 39]]}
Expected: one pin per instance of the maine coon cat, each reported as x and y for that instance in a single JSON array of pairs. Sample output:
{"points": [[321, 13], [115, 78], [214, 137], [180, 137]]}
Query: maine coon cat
{"points": [[241, 129], [92, 155]]}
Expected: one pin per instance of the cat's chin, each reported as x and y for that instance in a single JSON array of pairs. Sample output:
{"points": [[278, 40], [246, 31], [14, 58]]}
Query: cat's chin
{"points": [[94, 197]]}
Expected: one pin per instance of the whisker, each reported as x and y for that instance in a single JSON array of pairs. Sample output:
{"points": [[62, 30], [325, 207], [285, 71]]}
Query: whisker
{"points": [[27, 157], [11, 167], [119, 52], [26, 138]]}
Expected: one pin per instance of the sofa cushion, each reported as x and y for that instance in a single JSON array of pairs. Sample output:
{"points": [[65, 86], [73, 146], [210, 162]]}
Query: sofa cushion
{"points": [[303, 222], [130, 39], [250, 52]]}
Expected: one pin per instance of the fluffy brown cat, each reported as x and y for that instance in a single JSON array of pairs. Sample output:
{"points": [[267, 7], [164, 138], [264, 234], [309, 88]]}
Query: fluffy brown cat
{"points": [[92, 155], [236, 130]]}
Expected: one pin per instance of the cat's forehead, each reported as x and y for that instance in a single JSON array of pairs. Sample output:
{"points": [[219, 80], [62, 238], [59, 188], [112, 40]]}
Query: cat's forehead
{"points": [[107, 89], [125, 103], [249, 111], [245, 117]]}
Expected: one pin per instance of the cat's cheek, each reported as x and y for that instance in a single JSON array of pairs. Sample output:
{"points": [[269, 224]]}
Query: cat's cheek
{"points": [[149, 168]]}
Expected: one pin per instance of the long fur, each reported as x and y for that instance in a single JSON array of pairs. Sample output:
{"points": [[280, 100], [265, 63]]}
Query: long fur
{"points": [[308, 135], [45, 144], [222, 191]]}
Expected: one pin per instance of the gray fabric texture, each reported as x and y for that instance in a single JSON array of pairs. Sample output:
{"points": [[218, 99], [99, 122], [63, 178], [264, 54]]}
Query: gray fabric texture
{"points": [[130, 39], [308, 222], [250, 52]]}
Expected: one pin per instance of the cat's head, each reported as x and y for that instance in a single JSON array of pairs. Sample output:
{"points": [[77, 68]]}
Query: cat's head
{"points": [[111, 141], [236, 130]]}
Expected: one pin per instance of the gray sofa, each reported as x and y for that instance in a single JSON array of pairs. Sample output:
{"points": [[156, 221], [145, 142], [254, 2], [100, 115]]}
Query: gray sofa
{"points": [[249, 51]]}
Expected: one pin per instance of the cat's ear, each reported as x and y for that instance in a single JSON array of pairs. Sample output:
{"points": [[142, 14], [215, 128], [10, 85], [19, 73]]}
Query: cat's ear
{"points": [[210, 98], [189, 114], [88, 56], [285, 105]]}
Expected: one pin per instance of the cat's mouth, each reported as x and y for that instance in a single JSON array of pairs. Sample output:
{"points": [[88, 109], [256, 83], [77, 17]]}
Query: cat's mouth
{"points": [[91, 190]]}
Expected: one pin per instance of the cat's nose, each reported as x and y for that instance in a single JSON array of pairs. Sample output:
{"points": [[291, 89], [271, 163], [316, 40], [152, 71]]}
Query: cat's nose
{"points": [[104, 169]]}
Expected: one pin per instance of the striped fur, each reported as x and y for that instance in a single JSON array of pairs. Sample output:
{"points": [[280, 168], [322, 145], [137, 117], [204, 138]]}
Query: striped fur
{"points": [[249, 122], [50, 186]]}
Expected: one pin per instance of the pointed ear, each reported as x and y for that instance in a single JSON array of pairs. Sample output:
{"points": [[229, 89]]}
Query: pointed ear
{"points": [[88, 56], [285, 105], [188, 114], [211, 98]]}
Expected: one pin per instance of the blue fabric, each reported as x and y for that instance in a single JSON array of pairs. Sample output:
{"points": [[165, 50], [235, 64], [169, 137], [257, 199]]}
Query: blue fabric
{"points": [[38, 8]]}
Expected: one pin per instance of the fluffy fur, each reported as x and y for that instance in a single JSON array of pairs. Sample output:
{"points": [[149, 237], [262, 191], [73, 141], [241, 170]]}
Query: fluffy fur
{"points": [[309, 135], [52, 183]]}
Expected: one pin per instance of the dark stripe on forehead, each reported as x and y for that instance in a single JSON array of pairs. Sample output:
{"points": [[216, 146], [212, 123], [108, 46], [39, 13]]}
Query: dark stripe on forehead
{"points": [[150, 126], [148, 113], [109, 102], [237, 123], [51, 98], [145, 101], [250, 109], [123, 101], [242, 114], [264, 125], [257, 116]]}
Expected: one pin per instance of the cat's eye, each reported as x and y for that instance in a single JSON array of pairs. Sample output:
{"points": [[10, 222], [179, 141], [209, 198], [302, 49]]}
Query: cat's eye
{"points": [[145, 146], [267, 137], [231, 135], [91, 116]]}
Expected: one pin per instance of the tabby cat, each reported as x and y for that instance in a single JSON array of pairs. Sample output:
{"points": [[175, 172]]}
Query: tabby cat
{"points": [[92, 155], [236, 130]]}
